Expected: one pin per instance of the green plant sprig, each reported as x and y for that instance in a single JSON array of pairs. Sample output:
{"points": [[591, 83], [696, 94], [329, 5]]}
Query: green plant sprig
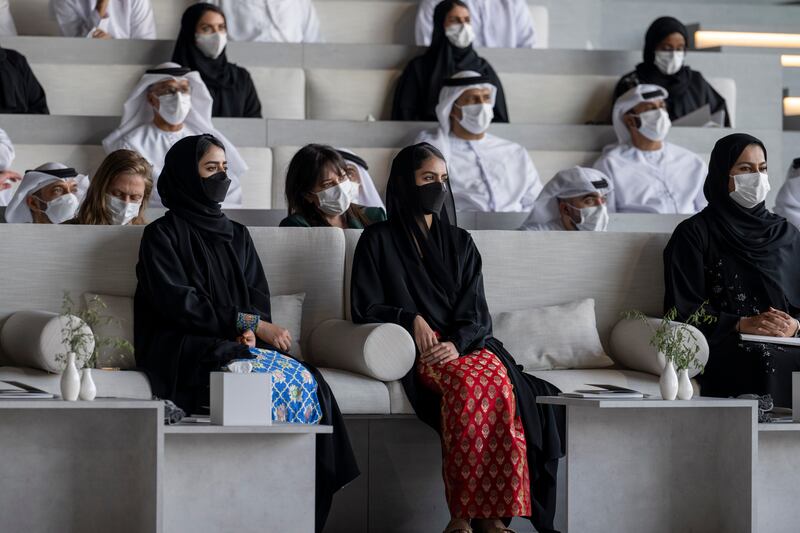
{"points": [[671, 340], [78, 341]]}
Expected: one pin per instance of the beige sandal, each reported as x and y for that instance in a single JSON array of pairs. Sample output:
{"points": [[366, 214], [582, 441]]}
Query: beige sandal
{"points": [[458, 525]]}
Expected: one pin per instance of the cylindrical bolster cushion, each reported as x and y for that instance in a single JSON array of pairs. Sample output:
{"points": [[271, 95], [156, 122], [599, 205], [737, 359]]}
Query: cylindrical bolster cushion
{"points": [[34, 339], [381, 351], [631, 348]]}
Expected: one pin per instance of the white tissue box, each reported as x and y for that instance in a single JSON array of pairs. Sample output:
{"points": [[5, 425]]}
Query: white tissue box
{"points": [[241, 399]]}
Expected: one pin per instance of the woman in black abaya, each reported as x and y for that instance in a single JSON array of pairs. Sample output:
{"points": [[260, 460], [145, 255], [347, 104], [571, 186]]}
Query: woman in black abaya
{"points": [[417, 92], [744, 261], [418, 270], [201, 46], [664, 64], [202, 301]]}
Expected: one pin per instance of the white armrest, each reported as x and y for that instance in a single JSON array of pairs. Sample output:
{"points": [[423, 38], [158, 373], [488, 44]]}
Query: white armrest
{"points": [[630, 346], [384, 352]]}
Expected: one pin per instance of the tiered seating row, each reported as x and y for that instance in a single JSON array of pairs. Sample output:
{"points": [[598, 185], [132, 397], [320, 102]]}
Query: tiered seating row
{"points": [[352, 82], [269, 145]]}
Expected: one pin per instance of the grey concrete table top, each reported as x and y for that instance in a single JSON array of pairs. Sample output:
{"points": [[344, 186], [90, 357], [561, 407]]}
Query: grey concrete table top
{"points": [[57, 403], [204, 428], [645, 403]]}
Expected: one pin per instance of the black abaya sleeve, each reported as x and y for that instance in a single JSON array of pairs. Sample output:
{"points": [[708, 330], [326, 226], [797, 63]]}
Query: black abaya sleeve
{"points": [[367, 293], [252, 104], [37, 101], [684, 279], [500, 109], [471, 318], [407, 99], [167, 285]]}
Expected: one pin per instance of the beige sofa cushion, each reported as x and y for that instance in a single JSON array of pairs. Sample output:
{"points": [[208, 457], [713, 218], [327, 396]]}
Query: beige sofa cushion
{"points": [[35, 339], [110, 383], [357, 395], [553, 337], [630, 346], [565, 380], [380, 351]]}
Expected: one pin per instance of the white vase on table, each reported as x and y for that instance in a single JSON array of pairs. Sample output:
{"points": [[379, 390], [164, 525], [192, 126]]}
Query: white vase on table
{"points": [[88, 388], [685, 388], [669, 381], [70, 380]]}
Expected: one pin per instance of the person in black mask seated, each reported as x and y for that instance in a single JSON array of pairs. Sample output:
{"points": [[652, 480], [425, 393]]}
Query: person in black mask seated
{"points": [[450, 52], [665, 65], [203, 303], [201, 46], [420, 271], [20, 91], [319, 192], [744, 262]]}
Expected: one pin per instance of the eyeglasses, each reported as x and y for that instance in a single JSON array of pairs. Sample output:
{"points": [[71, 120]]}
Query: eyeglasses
{"points": [[173, 90]]}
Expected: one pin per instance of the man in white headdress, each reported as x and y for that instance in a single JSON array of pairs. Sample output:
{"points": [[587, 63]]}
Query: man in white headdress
{"points": [[8, 178], [358, 172], [787, 203], [497, 23], [574, 200], [168, 104], [7, 26], [105, 19], [648, 174], [486, 173], [51, 194], [271, 21]]}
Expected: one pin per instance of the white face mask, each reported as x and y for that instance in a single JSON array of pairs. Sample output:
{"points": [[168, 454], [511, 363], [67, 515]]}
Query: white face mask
{"points": [[122, 212], [334, 201], [476, 118], [750, 189], [460, 35], [655, 124], [211, 44], [174, 108], [62, 208], [592, 218], [670, 63]]}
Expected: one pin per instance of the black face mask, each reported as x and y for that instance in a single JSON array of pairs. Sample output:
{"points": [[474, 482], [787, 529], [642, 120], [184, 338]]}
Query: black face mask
{"points": [[216, 187], [431, 197]]}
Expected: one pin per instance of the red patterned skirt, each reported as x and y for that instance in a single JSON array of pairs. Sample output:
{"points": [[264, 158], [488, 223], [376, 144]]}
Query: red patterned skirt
{"points": [[484, 458]]}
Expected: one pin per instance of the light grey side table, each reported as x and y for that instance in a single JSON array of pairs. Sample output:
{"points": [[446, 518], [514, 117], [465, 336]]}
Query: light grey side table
{"points": [[80, 466], [660, 467], [243, 479], [778, 476]]}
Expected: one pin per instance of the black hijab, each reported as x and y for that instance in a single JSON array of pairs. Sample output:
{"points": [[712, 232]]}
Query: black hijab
{"points": [[417, 93], [179, 186], [430, 251], [217, 72], [758, 237], [676, 84]]}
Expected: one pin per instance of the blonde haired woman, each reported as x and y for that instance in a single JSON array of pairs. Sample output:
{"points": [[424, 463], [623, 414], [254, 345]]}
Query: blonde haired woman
{"points": [[119, 191]]}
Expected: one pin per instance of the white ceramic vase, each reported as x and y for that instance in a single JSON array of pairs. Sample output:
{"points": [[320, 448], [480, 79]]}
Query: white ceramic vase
{"points": [[88, 389], [669, 382], [685, 388], [70, 380]]}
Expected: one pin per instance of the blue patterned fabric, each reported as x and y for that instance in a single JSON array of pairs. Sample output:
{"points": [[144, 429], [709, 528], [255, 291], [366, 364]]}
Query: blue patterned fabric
{"points": [[294, 389]]}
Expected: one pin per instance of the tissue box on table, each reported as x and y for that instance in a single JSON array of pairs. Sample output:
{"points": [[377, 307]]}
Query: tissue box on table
{"points": [[241, 399]]}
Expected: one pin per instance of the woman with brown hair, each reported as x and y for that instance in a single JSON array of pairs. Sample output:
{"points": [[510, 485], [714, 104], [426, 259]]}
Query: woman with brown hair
{"points": [[119, 191], [320, 193]]}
